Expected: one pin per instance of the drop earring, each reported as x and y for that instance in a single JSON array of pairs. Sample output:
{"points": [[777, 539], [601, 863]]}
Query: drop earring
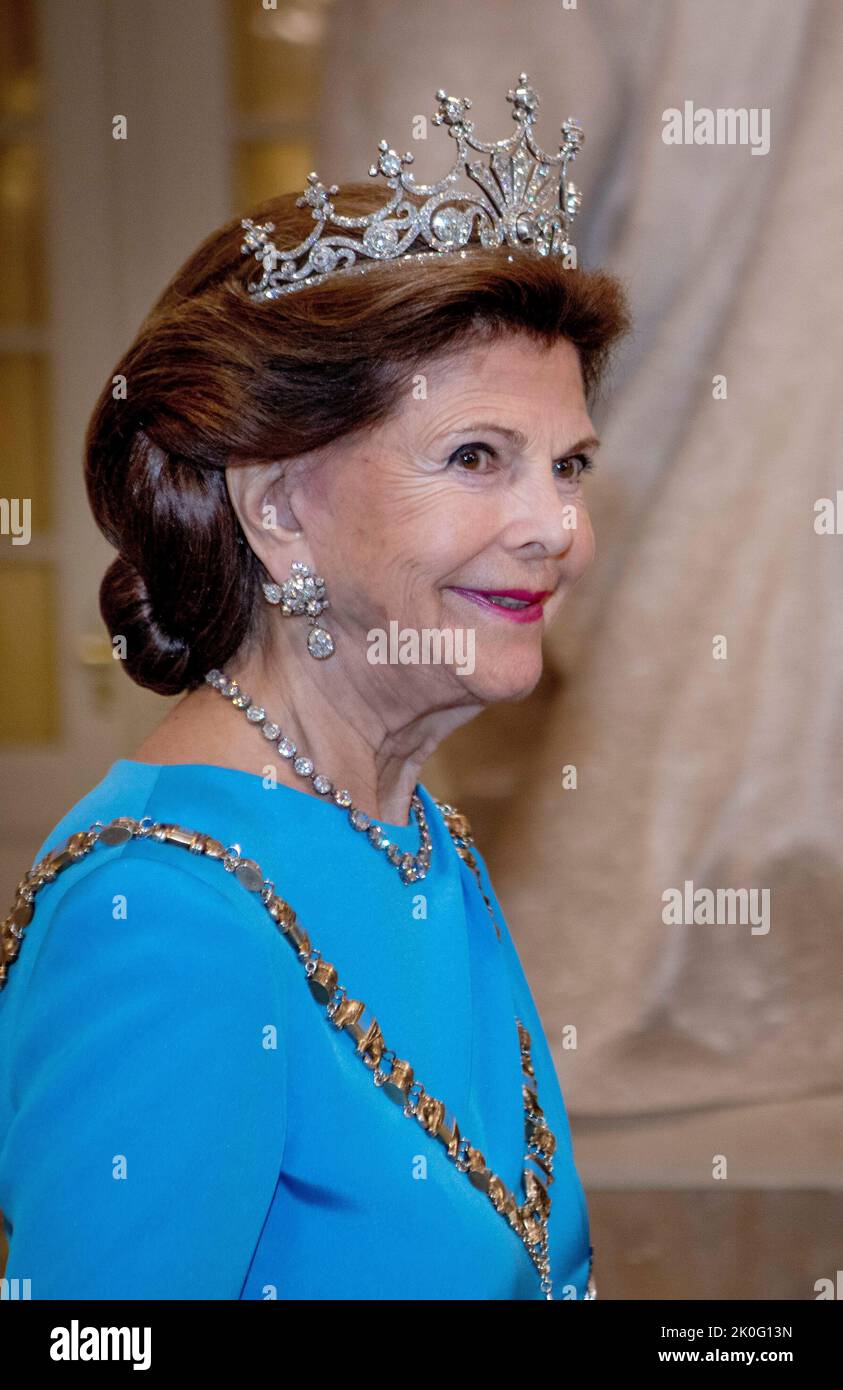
{"points": [[304, 594]]}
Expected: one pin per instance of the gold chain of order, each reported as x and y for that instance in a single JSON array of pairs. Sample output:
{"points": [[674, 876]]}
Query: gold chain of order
{"points": [[529, 1220]]}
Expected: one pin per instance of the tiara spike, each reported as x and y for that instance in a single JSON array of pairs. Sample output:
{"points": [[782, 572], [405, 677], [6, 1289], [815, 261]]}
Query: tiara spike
{"points": [[520, 196]]}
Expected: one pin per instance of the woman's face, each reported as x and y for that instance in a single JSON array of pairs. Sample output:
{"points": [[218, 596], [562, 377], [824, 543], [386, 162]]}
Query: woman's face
{"points": [[473, 485]]}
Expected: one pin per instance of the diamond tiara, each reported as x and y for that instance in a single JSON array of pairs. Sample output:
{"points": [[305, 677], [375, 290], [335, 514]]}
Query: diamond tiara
{"points": [[516, 199]]}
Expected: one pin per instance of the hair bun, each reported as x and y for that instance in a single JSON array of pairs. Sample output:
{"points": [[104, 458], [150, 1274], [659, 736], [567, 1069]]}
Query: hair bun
{"points": [[155, 657], [179, 597]]}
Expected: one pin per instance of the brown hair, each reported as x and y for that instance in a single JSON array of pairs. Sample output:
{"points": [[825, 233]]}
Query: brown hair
{"points": [[215, 377]]}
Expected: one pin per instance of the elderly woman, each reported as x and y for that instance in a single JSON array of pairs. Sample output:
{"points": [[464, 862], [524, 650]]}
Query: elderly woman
{"points": [[301, 1060]]}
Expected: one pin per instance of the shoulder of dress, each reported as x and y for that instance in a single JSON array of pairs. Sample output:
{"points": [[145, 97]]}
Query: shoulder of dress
{"points": [[170, 876]]}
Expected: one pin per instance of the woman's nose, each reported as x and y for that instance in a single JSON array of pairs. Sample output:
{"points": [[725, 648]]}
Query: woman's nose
{"points": [[545, 514]]}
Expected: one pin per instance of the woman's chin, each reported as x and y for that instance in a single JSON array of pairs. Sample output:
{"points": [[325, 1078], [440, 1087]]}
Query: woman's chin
{"points": [[499, 679]]}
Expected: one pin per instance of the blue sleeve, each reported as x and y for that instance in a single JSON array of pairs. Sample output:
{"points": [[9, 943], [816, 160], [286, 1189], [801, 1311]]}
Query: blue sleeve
{"points": [[147, 1103]]}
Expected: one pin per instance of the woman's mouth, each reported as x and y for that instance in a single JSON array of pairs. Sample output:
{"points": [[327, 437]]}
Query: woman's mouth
{"points": [[521, 605]]}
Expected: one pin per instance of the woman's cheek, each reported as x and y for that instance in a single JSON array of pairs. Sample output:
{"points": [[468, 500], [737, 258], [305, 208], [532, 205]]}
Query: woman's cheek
{"points": [[584, 539]]}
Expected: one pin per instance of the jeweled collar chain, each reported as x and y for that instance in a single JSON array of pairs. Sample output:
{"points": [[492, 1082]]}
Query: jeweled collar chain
{"points": [[411, 867]]}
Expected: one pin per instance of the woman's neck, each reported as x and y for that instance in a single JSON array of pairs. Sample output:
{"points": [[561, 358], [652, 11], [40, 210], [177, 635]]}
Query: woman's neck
{"points": [[373, 746]]}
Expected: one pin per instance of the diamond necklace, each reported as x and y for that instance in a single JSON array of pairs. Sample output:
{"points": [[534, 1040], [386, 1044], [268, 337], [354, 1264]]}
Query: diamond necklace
{"points": [[411, 867]]}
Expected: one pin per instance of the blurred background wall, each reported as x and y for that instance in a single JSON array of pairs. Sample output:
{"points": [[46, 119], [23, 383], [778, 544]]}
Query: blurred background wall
{"points": [[688, 725]]}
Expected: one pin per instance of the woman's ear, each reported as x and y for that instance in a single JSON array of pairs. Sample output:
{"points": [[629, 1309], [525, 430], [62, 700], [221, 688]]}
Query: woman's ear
{"points": [[259, 494]]}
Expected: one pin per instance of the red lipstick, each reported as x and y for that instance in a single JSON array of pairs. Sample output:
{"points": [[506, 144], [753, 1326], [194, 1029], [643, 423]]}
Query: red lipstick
{"points": [[525, 608]]}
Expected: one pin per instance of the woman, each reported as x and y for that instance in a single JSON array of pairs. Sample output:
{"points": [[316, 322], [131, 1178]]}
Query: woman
{"points": [[289, 478]]}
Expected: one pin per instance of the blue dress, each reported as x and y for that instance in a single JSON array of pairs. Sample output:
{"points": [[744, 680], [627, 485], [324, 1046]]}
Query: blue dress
{"points": [[179, 1119]]}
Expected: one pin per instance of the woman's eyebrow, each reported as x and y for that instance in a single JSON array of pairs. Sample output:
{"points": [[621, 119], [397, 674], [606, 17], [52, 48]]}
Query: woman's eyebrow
{"points": [[519, 440], [590, 442]]}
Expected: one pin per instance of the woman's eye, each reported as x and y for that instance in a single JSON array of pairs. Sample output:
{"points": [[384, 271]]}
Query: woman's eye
{"points": [[467, 456], [579, 463], [470, 458]]}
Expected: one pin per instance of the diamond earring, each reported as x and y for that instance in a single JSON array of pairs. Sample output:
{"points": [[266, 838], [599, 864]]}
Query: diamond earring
{"points": [[304, 593]]}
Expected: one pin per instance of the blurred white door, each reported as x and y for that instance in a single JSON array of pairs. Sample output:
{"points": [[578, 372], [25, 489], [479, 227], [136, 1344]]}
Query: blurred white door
{"points": [[92, 229]]}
